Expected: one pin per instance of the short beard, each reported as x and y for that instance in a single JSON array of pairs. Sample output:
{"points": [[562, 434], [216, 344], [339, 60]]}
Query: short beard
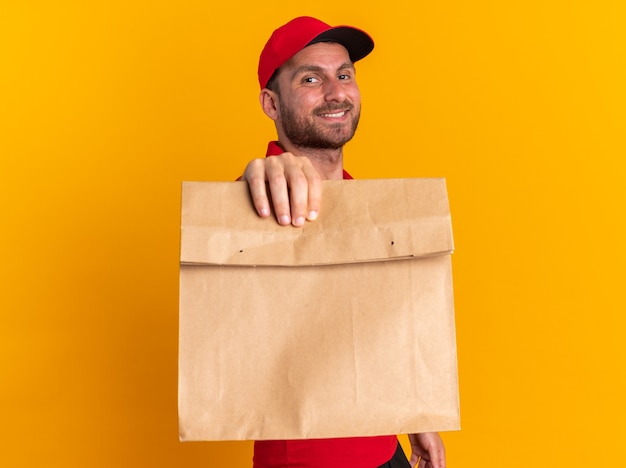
{"points": [[304, 134]]}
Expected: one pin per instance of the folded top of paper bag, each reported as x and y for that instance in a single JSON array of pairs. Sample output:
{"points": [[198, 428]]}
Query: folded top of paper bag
{"points": [[360, 221]]}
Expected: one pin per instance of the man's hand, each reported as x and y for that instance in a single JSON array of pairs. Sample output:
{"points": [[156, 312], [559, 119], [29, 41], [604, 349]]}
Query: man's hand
{"points": [[428, 450], [295, 188]]}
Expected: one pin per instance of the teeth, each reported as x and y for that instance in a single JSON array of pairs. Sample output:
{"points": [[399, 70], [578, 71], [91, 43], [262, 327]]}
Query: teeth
{"points": [[338, 114]]}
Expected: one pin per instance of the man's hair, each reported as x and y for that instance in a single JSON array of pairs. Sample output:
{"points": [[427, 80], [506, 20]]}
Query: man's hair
{"points": [[272, 84]]}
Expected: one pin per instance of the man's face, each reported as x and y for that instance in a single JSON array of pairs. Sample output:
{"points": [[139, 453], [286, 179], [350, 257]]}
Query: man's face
{"points": [[319, 100]]}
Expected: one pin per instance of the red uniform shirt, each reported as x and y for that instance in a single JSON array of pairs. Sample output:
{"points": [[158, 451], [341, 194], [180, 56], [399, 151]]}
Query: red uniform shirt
{"points": [[352, 452]]}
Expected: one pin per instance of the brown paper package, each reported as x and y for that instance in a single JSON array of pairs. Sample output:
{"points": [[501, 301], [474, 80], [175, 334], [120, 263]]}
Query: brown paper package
{"points": [[343, 327]]}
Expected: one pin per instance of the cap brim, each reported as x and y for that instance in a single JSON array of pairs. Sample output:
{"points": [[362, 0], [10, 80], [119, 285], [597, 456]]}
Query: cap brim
{"points": [[357, 42]]}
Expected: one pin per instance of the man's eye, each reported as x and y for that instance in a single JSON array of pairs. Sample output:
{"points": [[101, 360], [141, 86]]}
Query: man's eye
{"points": [[310, 79], [344, 77]]}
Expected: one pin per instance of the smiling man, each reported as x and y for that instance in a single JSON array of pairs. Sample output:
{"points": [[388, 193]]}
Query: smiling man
{"points": [[309, 89]]}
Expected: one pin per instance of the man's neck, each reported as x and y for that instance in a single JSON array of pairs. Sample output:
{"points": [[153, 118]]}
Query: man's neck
{"points": [[328, 162]]}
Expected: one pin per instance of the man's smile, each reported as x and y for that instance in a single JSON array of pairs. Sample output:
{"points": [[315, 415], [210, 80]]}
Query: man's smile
{"points": [[334, 115]]}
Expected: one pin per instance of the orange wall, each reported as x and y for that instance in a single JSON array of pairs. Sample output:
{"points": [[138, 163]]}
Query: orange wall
{"points": [[107, 106]]}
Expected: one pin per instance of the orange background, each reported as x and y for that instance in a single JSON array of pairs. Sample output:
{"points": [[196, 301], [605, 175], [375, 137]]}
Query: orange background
{"points": [[107, 106]]}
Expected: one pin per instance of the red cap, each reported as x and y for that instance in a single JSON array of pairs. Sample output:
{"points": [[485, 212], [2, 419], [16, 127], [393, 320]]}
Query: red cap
{"points": [[300, 32]]}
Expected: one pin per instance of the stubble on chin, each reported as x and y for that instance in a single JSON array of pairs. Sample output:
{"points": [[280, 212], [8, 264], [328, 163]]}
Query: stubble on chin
{"points": [[304, 133]]}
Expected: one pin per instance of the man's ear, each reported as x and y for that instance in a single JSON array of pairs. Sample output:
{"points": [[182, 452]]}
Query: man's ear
{"points": [[269, 103]]}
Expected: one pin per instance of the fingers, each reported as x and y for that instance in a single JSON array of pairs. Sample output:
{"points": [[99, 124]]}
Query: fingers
{"points": [[428, 446], [305, 192], [288, 187], [432, 442], [438, 458], [314, 191], [255, 176], [295, 188]]}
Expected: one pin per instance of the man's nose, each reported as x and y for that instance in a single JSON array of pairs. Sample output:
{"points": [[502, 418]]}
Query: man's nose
{"points": [[334, 91]]}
